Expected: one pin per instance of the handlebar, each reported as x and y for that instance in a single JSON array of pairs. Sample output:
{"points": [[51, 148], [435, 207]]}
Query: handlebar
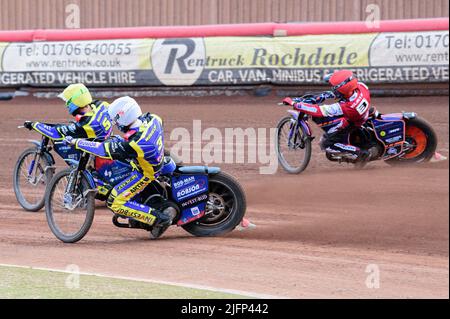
{"points": [[305, 96]]}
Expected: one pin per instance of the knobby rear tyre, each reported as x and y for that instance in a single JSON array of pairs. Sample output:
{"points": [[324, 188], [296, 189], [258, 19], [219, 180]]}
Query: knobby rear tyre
{"points": [[201, 228], [429, 149]]}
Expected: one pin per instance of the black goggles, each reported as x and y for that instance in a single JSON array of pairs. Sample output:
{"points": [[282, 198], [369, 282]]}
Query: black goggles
{"points": [[121, 128], [336, 87]]}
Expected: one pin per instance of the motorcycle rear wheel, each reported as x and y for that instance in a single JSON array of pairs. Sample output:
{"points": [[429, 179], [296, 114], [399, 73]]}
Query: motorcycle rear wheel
{"points": [[420, 134], [227, 205]]}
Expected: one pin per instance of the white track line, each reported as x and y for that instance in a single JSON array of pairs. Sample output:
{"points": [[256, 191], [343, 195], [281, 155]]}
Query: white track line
{"points": [[153, 281]]}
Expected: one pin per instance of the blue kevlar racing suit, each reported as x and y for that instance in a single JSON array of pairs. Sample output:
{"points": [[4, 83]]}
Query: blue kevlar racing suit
{"points": [[143, 146], [93, 124]]}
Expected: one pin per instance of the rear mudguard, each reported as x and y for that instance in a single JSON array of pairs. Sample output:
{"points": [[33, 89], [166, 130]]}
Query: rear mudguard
{"points": [[198, 170], [399, 116], [303, 123]]}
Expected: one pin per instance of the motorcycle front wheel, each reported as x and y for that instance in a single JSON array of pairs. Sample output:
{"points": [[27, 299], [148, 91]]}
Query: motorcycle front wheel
{"points": [[293, 148], [30, 178], [69, 213]]}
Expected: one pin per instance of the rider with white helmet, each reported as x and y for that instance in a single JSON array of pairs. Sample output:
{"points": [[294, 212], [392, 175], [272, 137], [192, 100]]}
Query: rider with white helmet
{"points": [[143, 146]]}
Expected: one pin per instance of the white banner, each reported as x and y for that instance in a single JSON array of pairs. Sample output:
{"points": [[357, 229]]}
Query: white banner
{"points": [[73, 55]]}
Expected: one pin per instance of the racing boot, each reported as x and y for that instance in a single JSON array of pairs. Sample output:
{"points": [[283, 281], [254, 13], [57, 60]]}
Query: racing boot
{"points": [[368, 155], [164, 219], [364, 156]]}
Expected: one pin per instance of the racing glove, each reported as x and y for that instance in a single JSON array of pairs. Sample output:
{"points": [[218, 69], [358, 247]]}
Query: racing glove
{"points": [[319, 99], [70, 140], [288, 101], [28, 125], [329, 95]]}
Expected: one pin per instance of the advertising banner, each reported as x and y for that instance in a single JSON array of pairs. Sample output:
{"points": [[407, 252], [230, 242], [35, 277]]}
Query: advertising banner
{"points": [[397, 57]]}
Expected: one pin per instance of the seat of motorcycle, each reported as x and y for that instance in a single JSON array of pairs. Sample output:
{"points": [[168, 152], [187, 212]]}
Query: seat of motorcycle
{"points": [[198, 170]]}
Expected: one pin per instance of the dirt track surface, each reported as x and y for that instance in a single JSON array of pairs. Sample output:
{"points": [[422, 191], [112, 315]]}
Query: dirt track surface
{"points": [[317, 233]]}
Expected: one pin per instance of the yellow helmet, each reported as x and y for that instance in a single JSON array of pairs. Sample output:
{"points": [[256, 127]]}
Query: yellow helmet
{"points": [[76, 96]]}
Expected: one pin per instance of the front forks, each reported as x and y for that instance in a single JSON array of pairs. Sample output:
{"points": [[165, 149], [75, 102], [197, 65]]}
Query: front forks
{"points": [[32, 170], [73, 193], [70, 202], [296, 139], [34, 177], [74, 197]]}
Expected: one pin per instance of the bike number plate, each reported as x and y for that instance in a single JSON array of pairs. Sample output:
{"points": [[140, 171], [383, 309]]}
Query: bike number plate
{"points": [[191, 193], [67, 151]]}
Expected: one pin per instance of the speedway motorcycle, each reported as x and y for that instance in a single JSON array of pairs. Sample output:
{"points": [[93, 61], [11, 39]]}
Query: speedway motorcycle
{"points": [[397, 138], [208, 202], [35, 168]]}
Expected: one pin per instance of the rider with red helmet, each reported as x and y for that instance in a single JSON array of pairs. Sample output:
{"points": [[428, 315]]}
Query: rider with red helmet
{"points": [[350, 111]]}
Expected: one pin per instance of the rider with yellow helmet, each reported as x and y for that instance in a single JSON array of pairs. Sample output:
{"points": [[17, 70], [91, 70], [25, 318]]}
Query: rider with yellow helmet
{"points": [[92, 119]]}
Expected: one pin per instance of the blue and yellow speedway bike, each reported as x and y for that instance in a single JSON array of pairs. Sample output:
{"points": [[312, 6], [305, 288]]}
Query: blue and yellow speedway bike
{"points": [[396, 138], [35, 168], [207, 201]]}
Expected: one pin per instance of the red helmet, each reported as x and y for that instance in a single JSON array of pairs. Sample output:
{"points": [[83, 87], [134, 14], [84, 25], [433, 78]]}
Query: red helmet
{"points": [[344, 82]]}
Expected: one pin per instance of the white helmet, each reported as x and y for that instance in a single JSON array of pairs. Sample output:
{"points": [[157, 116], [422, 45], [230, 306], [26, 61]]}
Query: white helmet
{"points": [[124, 111]]}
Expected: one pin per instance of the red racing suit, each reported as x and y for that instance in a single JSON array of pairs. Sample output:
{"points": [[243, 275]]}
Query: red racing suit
{"points": [[346, 114]]}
